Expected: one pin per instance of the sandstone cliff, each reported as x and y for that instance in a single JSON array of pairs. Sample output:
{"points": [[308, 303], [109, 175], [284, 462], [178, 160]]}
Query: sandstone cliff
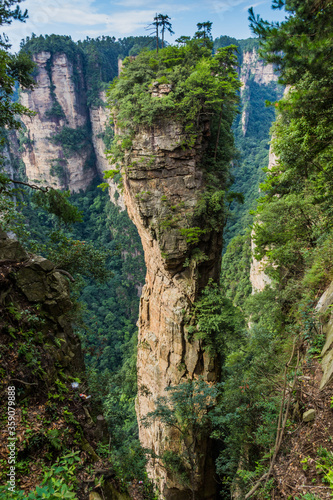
{"points": [[253, 66], [59, 102], [62, 145], [253, 69], [41, 357], [163, 183], [258, 277], [99, 119]]}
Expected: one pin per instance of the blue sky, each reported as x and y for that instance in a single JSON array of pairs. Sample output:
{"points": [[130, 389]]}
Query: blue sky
{"points": [[120, 18]]}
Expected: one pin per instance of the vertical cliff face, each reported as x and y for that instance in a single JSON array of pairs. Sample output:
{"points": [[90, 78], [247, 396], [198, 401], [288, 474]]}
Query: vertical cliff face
{"points": [[252, 65], [258, 277], [59, 103], [163, 184], [253, 69], [99, 119]]}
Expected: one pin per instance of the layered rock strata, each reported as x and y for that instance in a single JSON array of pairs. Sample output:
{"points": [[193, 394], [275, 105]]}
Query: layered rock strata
{"points": [[63, 144], [36, 280], [59, 101], [252, 65], [324, 310], [163, 183]]}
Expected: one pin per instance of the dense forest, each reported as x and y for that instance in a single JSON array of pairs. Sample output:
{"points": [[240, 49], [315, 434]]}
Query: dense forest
{"points": [[268, 342]]}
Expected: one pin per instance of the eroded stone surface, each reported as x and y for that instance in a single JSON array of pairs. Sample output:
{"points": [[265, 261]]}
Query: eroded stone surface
{"points": [[99, 118], [324, 311], [163, 183], [40, 154]]}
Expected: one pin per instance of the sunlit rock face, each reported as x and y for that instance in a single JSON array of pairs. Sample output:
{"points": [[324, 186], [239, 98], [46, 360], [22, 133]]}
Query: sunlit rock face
{"points": [[163, 183], [252, 65], [253, 68], [59, 101]]}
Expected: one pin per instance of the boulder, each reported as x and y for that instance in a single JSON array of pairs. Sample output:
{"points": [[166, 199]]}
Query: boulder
{"points": [[309, 415]]}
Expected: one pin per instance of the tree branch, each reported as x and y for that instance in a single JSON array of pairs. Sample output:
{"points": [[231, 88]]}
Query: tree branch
{"points": [[65, 273], [32, 186]]}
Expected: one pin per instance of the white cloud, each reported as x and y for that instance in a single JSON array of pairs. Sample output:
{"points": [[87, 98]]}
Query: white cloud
{"points": [[254, 5], [225, 5], [136, 3], [130, 21]]}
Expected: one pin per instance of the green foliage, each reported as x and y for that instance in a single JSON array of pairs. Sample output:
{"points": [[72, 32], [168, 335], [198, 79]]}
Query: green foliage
{"points": [[235, 274], [253, 150], [57, 203], [192, 234], [293, 232], [72, 140], [55, 110], [307, 496], [215, 320], [55, 44], [188, 69], [98, 57], [325, 465], [186, 410], [297, 189], [58, 481], [14, 69], [111, 308]]}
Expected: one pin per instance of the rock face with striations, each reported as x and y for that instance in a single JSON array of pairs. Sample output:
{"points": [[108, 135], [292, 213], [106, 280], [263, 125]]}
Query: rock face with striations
{"points": [[59, 103], [163, 183], [99, 118], [63, 144], [252, 65]]}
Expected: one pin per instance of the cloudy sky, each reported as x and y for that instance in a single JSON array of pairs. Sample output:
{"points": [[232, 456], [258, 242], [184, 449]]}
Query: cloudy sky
{"points": [[120, 18]]}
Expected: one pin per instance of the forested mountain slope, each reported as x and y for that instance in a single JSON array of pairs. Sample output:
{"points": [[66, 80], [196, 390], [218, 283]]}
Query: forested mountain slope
{"points": [[270, 429]]}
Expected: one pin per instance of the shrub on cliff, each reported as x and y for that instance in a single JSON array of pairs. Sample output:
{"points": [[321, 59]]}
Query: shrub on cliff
{"points": [[196, 87]]}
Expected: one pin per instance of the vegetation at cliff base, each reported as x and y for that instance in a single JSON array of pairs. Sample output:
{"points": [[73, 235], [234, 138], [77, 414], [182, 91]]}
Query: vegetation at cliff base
{"points": [[292, 231]]}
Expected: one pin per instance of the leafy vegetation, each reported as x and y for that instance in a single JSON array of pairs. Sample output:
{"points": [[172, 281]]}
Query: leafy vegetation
{"points": [[185, 410], [293, 232], [294, 235]]}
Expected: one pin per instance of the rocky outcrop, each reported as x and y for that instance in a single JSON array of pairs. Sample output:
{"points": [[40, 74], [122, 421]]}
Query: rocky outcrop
{"points": [[39, 283], [324, 310], [163, 183], [253, 66], [63, 144], [59, 103], [258, 278], [99, 119]]}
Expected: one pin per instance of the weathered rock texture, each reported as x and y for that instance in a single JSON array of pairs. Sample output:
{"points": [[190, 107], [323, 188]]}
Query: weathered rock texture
{"points": [[258, 278], [60, 103], [38, 282], [324, 309], [43, 158], [163, 183], [252, 65], [99, 119]]}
